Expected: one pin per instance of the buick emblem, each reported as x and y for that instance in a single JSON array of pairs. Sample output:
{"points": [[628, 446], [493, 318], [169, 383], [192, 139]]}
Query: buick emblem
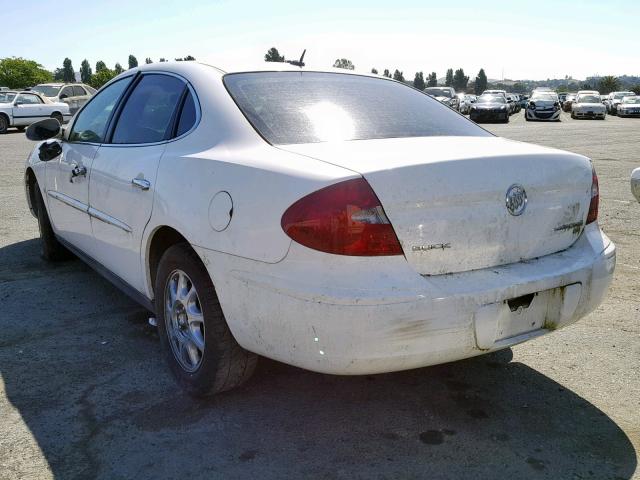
{"points": [[516, 200]]}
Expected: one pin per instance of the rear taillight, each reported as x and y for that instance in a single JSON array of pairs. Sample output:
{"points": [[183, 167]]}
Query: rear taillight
{"points": [[345, 219], [592, 216]]}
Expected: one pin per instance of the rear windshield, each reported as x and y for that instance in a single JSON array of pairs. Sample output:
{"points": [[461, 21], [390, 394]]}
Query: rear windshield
{"points": [[311, 107], [491, 99]]}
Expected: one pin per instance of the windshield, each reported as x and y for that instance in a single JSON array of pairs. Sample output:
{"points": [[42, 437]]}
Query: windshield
{"points": [[570, 97], [491, 99], [438, 92], [47, 90], [620, 96], [6, 97], [545, 97], [589, 99], [310, 107], [632, 100]]}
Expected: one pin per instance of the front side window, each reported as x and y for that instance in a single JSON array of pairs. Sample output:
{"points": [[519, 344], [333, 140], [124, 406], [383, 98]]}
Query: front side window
{"points": [[91, 124], [28, 99], [309, 107], [147, 115], [66, 92]]}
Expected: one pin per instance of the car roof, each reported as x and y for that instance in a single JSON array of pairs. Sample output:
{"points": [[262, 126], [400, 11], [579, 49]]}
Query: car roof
{"points": [[187, 66]]}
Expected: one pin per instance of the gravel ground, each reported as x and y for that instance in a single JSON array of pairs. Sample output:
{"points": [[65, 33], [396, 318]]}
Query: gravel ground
{"points": [[84, 394]]}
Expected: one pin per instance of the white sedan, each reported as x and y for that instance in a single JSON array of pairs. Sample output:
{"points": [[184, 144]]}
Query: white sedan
{"points": [[276, 212], [21, 109], [588, 105]]}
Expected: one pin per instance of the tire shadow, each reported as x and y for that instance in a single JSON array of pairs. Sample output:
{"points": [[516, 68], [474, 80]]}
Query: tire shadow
{"points": [[81, 366]]}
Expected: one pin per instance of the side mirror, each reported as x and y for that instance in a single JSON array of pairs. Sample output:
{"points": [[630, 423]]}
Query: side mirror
{"points": [[63, 96], [17, 104], [43, 130], [635, 183]]}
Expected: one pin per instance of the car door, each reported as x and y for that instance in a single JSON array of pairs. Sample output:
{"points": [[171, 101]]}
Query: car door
{"points": [[68, 175], [124, 172], [28, 108], [80, 97], [68, 96]]}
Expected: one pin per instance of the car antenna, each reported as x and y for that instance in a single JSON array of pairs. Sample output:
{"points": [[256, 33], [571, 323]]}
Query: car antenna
{"points": [[298, 63]]}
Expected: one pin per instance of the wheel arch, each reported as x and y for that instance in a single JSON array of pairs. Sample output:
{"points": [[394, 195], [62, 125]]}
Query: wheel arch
{"points": [[30, 182], [160, 239], [6, 115]]}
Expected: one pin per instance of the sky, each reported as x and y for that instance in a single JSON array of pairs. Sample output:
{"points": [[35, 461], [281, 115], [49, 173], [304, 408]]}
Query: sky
{"points": [[509, 39]]}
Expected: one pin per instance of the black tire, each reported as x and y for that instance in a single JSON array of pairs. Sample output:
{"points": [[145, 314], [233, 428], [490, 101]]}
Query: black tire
{"points": [[50, 248], [58, 116], [224, 364], [573, 116], [21, 129], [4, 124]]}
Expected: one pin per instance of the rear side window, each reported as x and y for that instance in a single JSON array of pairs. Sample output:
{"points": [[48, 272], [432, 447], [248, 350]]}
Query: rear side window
{"points": [[187, 116], [147, 114], [309, 107], [78, 91]]}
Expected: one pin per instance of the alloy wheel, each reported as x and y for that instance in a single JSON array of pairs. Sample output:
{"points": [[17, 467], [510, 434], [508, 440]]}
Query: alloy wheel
{"points": [[184, 321]]}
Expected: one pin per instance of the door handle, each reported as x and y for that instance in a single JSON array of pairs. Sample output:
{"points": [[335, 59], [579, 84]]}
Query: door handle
{"points": [[141, 183], [78, 171]]}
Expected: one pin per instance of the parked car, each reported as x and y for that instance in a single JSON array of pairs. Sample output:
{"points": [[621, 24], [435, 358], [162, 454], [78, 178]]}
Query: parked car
{"points": [[568, 101], [260, 227], [588, 105], [524, 99], [614, 99], [543, 105], [490, 108], [73, 94], [466, 101], [562, 97], [514, 105], [635, 183], [629, 107], [4, 89], [21, 109], [445, 95]]}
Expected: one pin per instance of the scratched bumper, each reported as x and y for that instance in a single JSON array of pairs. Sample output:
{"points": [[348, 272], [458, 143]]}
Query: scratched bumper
{"points": [[350, 315]]}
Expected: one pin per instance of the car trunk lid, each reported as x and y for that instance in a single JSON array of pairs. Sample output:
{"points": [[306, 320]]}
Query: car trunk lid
{"points": [[446, 196]]}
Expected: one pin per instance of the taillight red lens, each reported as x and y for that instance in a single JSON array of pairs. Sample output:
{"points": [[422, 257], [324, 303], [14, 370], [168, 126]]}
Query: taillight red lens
{"points": [[592, 216], [345, 219]]}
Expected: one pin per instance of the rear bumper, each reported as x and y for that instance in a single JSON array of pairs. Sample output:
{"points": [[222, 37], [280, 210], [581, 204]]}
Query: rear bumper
{"points": [[349, 315]]}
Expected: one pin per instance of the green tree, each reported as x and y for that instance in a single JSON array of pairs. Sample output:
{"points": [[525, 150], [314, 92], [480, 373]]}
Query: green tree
{"points": [[58, 75], [148, 61], [635, 88], [481, 82], [460, 80], [433, 80], [343, 63], [608, 84], [133, 61], [418, 81], [85, 71], [118, 69], [18, 72], [100, 65], [374, 71], [100, 78], [68, 75], [449, 78], [397, 75], [273, 55], [386, 73]]}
